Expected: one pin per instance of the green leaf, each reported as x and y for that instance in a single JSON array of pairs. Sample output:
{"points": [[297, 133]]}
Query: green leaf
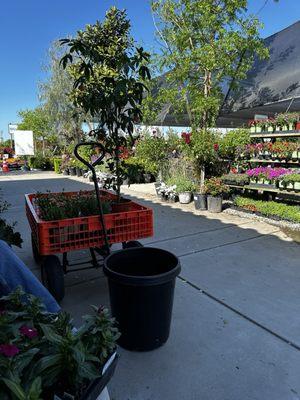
{"points": [[88, 371], [24, 359], [15, 388], [35, 389], [51, 335]]}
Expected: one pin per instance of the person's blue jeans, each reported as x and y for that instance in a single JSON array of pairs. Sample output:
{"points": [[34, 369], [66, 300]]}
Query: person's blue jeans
{"points": [[14, 273]]}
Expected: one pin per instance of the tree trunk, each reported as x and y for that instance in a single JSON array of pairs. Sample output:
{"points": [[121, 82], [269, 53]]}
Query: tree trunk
{"points": [[43, 144], [202, 178], [207, 89], [117, 161]]}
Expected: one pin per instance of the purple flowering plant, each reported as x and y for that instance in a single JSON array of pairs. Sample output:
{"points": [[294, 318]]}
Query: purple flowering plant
{"points": [[269, 173], [40, 354]]}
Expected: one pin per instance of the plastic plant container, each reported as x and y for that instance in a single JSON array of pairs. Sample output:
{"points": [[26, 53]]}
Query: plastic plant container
{"points": [[128, 221], [141, 284]]}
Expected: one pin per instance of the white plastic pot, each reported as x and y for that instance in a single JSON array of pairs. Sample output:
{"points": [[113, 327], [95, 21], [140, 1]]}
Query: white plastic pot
{"points": [[185, 197], [297, 185]]}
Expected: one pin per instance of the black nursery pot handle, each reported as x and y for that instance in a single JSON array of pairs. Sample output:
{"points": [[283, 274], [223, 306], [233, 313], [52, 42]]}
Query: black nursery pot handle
{"points": [[94, 145]]}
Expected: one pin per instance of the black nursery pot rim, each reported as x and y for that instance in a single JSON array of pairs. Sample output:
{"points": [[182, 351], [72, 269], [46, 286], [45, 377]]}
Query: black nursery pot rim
{"points": [[123, 266]]}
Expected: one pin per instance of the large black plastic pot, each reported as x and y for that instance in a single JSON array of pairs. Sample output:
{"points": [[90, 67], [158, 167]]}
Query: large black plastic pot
{"points": [[141, 287], [200, 201]]}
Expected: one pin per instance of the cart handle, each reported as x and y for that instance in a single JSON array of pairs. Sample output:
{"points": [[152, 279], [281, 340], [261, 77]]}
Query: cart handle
{"points": [[85, 162]]}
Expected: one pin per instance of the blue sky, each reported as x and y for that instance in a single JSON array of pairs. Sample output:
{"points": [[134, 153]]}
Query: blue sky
{"points": [[27, 28]]}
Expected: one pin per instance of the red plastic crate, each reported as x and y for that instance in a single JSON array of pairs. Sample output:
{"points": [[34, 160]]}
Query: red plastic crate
{"points": [[129, 221]]}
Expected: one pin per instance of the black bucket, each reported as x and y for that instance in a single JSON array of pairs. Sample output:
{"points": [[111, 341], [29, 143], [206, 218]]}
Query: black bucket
{"points": [[141, 287], [200, 201]]}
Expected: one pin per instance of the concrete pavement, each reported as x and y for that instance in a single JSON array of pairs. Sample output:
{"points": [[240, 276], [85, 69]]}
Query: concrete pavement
{"points": [[236, 326]]}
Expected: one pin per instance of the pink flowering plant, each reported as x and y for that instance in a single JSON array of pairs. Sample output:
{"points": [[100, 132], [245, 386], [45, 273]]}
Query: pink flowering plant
{"points": [[42, 356], [268, 173]]}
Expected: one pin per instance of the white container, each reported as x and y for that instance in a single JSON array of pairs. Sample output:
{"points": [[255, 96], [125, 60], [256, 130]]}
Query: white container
{"points": [[297, 185], [252, 129], [291, 127], [258, 129], [270, 129], [295, 155], [284, 128], [185, 197]]}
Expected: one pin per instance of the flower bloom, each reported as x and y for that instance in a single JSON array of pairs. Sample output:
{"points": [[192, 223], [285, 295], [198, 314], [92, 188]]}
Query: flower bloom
{"points": [[268, 172], [9, 350], [216, 147], [187, 137], [29, 332]]}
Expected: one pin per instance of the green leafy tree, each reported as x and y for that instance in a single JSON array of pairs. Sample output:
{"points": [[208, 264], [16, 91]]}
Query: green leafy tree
{"points": [[205, 44], [108, 72], [232, 141], [37, 120], [65, 119]]}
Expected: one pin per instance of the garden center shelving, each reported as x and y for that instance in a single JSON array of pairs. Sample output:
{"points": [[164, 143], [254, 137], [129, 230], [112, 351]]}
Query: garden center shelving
{"points": [[270, 189]]}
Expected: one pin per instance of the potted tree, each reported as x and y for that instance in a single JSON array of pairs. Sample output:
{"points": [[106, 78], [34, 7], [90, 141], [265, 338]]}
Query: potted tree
{"points": [[215, 190], [109, 83]]}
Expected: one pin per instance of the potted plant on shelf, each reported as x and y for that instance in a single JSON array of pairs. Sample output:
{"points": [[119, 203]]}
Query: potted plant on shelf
{"points": [[252, 125], [215, 189], [290, 182], [42, 356], [270, 125], [235, 179], [292, 119], [282, 122], [258, 126]]}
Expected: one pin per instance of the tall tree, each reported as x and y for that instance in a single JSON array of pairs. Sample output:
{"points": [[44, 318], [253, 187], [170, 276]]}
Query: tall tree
{"points": [[65, 119], [108, 72], [37, 120], [205, 45]]}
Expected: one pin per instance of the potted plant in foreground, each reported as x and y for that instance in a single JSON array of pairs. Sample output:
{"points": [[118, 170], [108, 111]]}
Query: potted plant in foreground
{"points": [[42, 356], [215, 190]]}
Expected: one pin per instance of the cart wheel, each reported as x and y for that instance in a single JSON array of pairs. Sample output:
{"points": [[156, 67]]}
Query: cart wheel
{"points": [[35, 251], [131, 243], [53, 277]]}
